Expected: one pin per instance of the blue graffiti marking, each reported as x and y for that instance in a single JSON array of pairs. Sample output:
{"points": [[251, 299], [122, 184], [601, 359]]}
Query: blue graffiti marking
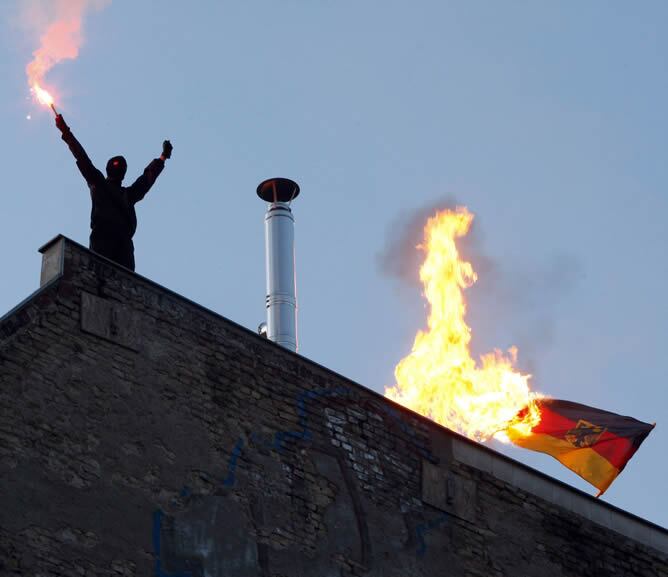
{"points": [[157, 538], [422, 529], [305, 434], [232, 464], [280, 437]]}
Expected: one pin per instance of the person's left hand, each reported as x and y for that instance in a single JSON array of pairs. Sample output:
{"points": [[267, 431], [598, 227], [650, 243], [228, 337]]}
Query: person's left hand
{"points": [[167, 149]]}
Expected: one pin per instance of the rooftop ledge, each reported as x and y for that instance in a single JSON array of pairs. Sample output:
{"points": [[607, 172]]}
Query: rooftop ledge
{"points": [[464, 450]]}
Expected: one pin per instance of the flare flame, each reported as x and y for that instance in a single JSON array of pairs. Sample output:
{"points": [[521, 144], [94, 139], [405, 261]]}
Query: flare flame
{"points": [[58, 24], [439, 379], [43, 96]]}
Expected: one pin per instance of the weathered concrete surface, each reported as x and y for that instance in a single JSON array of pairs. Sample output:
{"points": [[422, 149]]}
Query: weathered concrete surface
{"points": [[143, 435]]}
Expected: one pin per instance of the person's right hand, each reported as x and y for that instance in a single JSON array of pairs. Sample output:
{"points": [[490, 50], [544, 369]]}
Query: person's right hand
{"points": [[167, 149], [61, 124]]}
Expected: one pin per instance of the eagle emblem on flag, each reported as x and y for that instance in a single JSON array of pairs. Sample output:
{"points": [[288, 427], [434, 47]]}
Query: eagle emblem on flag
{"points": [[585, 434]]}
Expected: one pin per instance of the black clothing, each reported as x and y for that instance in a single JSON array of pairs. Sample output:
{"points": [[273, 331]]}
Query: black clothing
{"points": [[113, 220], [118, 249]]}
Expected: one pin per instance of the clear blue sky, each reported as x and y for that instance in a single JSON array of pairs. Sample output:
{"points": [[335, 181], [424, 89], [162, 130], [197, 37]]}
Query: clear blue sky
{"points": [[548, 120]]}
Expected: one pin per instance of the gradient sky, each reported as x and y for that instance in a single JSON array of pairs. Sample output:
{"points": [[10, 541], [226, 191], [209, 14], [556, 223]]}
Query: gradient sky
{"points": [[548, 120]]}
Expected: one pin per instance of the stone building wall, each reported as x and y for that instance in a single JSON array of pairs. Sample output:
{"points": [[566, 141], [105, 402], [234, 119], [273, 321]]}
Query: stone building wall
{"points": [[141, 434]]}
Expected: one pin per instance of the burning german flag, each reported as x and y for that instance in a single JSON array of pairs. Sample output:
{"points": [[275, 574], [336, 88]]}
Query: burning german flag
{"points": [[442, 381], [592, 443]]}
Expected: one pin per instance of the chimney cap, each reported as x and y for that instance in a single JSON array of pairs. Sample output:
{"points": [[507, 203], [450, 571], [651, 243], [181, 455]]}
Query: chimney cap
{"points": [[278, 190]]}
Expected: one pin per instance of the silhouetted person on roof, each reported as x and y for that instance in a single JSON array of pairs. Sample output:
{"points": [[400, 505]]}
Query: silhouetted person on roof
{"points": [[113, 220]]}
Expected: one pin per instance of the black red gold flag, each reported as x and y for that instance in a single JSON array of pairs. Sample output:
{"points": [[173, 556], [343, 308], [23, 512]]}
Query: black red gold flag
{"points": [[594, 444]]}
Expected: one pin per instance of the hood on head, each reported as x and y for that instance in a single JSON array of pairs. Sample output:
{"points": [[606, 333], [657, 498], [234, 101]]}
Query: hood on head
{"points": [[116, 168]]}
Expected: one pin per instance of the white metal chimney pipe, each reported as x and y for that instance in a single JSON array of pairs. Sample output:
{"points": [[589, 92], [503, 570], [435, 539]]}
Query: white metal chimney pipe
{"points": [[280, 261]]}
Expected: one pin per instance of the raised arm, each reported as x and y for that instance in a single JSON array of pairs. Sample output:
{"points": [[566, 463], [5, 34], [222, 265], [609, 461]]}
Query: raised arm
{"points": [[143, 184], [86, 167]]}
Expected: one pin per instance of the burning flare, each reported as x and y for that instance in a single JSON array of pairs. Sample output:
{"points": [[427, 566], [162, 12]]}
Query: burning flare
{"points": [[439, 379], [58, 24], [44, 97]]}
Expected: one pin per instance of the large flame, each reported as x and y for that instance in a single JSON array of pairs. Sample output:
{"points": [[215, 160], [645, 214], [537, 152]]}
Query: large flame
{"points": [[58, 24], [439, 379]]}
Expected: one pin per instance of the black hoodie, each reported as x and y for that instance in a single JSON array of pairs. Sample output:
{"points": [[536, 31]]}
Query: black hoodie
{"points": [[113, 209]]}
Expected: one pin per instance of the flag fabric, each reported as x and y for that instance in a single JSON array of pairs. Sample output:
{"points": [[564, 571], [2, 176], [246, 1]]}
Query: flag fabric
{"points": [[592, 443]]}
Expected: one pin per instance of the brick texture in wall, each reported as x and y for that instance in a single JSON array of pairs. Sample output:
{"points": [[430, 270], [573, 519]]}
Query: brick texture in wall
{"points": [[142, 435]]}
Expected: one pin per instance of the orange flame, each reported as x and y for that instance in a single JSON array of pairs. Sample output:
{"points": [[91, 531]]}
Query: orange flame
{"points": [[58, 23], [42, 95], [439, 379]]}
